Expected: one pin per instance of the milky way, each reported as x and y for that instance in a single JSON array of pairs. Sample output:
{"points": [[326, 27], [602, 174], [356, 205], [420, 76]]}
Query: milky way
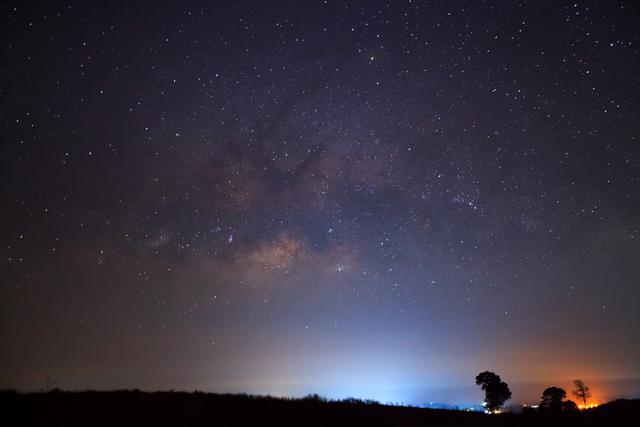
{"points": [[378, 199]]}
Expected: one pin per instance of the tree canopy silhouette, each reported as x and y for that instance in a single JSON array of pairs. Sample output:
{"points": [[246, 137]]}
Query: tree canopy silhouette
{"points": [[552, 398], [581, 391], [496, 391], [569, 405]]}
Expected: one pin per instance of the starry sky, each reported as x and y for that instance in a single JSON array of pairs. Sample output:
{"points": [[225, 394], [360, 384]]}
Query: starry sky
{"points": [[376, 199]]}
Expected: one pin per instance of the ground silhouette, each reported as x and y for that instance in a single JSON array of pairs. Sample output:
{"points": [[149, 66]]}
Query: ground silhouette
{"points": [[135, 408]]}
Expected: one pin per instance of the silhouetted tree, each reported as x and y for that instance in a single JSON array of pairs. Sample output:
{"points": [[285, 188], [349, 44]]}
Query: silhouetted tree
{"points": [[496, 391], [569, 406], [581, 391], [48, 385], [552, 399]]}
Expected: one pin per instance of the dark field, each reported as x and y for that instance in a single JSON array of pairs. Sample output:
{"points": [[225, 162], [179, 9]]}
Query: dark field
{"points": [[199, 409]]}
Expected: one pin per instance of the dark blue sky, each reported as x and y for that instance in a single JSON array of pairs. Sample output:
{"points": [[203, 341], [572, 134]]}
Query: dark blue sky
{"points": [[378, 199]]}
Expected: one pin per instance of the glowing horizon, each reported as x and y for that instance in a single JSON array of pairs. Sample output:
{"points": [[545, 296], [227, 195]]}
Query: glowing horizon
{"points": [[377, 200]]}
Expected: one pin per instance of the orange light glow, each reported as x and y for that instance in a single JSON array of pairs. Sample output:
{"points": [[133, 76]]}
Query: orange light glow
{"points": [[589, 405]]}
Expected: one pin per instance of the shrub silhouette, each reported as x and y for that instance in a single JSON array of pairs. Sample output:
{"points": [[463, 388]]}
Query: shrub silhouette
{"points": [[569, 406]]}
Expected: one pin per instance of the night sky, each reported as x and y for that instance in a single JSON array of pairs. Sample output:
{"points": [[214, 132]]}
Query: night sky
{"points": [[372, 199]]}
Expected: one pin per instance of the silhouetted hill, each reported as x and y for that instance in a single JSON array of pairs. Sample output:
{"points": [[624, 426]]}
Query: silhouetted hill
{"points": [[136, 408], [623, 409]]}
